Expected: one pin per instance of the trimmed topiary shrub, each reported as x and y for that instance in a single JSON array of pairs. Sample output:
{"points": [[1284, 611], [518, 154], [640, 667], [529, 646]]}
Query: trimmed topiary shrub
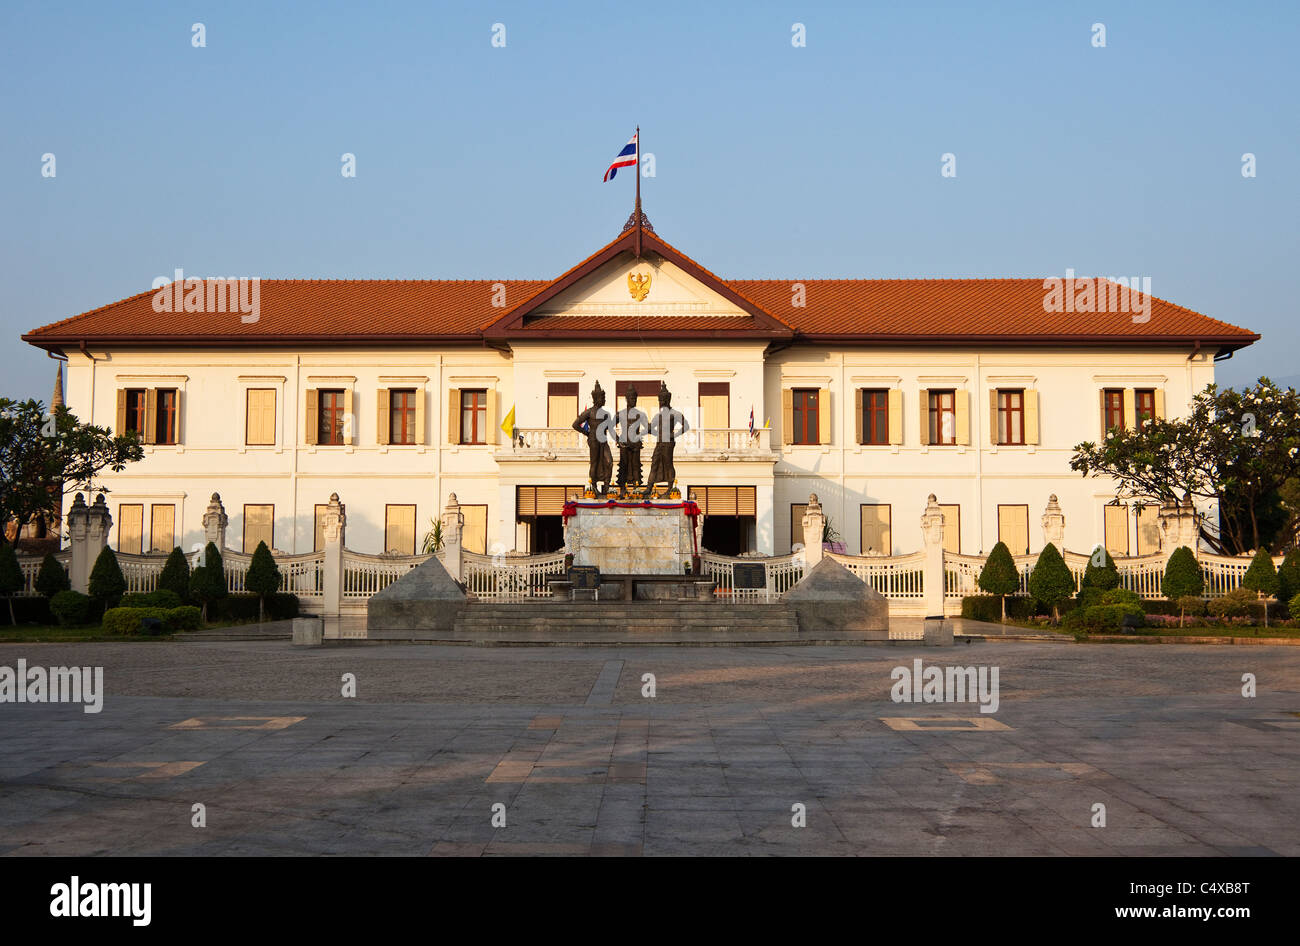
{"points": [[1235, 604], [989, 608], [1104, 618], [52, 578], [999, 575], [1051, 582], [1295, 607], [1190, 604], [106, 582], [132, 620], [1183, 579], [11, 576], [263, 577], [208, 581], [151, 599], [1261, 576], [1130, 599], [185, 618], [1105, 576], [70, 608], [175, 575], [244, 607]]}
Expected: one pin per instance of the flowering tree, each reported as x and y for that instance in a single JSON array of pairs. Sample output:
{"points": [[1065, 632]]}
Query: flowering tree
{"points": [[1240, 448]]}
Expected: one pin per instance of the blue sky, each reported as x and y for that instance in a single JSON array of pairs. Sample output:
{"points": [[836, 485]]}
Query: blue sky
{"points": [[772, 161]]}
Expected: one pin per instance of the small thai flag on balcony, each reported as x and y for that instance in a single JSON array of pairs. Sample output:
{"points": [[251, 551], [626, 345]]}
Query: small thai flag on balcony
{"points": [[626, 159], [751, 421]]}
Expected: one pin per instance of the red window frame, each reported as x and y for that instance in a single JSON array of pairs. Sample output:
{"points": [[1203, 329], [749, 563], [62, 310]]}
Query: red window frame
{"points": [[1011, 417], [475, 403], [875, 416], [330, 404], [806, 406], [1144, 406], [1114, 411], [135, 410], [165, 425], [941, 403], [401, 416]]}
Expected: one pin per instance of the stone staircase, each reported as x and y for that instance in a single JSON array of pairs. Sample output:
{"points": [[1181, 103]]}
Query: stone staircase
{"points": [[622, 620]]}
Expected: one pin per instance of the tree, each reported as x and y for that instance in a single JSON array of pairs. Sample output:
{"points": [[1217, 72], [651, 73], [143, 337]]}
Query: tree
{"points": [[106, 581], [52, 578], [11, 577], [41, 450], [1051, 581], [1103, 577], [175, 575], [1288, 577], [1236, 447], [1261, 578], [263, 577], [999, 575], [1182, 580], [208, 581]]}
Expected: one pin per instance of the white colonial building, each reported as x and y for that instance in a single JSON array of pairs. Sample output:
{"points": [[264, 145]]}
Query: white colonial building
{"points": [[869, 393]]}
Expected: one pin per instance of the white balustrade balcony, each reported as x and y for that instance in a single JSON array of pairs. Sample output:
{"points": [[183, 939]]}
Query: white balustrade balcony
{"points": [[699, 442]]}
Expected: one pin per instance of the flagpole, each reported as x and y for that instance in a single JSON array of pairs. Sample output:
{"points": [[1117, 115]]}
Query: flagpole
{"points": [[637, 171]]}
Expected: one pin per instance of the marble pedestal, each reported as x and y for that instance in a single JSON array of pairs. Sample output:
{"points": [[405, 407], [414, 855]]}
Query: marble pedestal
{"points": [[630, 540]]}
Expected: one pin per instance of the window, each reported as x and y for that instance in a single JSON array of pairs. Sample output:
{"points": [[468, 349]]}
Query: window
{"points": [[1013, 528], [1116, 529], [162, 528], [1112, 408], [561, 403], [715, 405], [259, 526], [259, 419], [130, 528], [399, 529], [943, 417], [473, 537], [1148, 529], [875, 417], [1145, 402], [135, 411], [806, 424], [1011, 417], [951, 528], [331, 411], [473, 416], [401, 416], [165, 429], [876, 529]]}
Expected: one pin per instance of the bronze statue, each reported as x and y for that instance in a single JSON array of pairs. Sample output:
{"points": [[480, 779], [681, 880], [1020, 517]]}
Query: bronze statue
{"points": [[667, 426], [595, 423], [632, 425]]}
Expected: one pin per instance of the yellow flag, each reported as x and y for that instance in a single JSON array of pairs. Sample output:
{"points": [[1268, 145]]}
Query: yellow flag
{"points": [[508, 425]]}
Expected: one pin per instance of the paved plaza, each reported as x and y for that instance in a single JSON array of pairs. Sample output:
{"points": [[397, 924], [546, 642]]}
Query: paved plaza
{"points": [[260, 735]]}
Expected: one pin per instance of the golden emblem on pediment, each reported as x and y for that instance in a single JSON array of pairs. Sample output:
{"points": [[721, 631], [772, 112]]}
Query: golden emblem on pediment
{"points": [[638, 285]]}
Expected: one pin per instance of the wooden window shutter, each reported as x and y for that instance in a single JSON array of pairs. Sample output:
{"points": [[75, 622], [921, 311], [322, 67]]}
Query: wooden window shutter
{"points": [[961, 403], [858, 397], [419, 415], [824, 415], [787, 415], [895, 416], [1102, 392], [151, 415], [746, 501], [1031, 417], [349, 418], [490, 434], [925, 416], [119, 427], [453, 415], [382, 401], [993, 416], [1160, 404], [1130, 412], [311, 419], [176, 417]]}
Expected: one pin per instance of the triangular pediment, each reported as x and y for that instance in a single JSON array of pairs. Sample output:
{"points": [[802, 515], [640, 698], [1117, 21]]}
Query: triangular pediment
{"points": [[616, 292]]}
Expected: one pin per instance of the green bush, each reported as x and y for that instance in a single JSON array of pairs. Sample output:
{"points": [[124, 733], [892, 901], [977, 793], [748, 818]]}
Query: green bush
{"points": [[1103, 617], [106, 582], [175, 575], [151, 599], [70, 608], [263, 576], [989, 608], [1189, 605], [1295, 606], [185, 618], [1129, 599], [1182, 575], [1235, 604], [11, 576], [999, 575], [1261, 576], [1050, 582], [1104, 576], [208, 581], [52, 578], [1288, 577]]}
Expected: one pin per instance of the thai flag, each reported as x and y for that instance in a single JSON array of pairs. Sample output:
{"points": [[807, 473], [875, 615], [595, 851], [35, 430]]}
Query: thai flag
{"points": [[626, 159], [751, 421]]}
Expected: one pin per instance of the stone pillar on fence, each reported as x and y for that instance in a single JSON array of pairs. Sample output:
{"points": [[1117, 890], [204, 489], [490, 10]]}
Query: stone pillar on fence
{"points": [[932, 541], [334, 531], [1054, 524], [453, 527], [215, 521], [1179, 525], [88, 534], [814, 522]]}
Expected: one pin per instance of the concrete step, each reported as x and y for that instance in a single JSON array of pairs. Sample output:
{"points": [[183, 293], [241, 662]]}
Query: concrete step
{"points": [[649, 618]]}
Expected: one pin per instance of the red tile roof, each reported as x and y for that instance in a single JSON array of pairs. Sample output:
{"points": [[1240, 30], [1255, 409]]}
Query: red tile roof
{"points": [[359, 311]]}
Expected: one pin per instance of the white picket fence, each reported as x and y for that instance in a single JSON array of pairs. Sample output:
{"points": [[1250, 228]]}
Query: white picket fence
{"points": [[781, 574], [510, 577]]}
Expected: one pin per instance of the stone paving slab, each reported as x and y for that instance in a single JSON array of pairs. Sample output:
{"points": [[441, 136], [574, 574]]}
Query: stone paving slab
{"points": [[585, 765]]}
